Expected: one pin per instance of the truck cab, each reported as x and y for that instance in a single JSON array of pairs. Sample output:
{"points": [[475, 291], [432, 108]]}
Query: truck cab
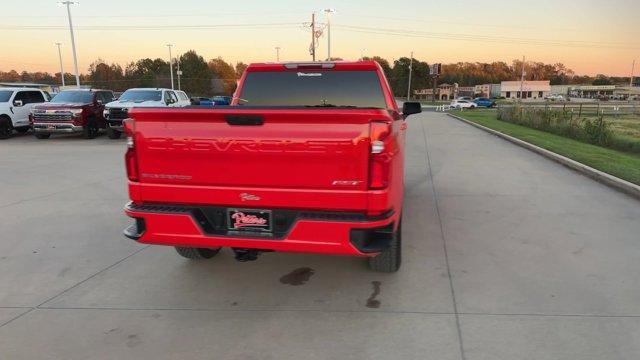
{"points": [[15, 106], [71, 111], [117, 110]]}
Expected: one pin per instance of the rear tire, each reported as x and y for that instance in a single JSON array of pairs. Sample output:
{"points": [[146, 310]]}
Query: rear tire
{"points": [[389, 260], [113, 133], [197, 253], [42, 136], [6, 127]]}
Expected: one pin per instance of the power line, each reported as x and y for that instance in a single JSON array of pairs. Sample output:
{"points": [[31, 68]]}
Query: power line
{"points": [[486, 38], [161, 15], [149, 27]]}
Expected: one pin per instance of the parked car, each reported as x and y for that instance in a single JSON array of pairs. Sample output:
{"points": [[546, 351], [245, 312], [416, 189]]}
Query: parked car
{"points": [[204, 101], [117, 110], [71, 111], [221, 100], [554, 97], [15, 107], [463, 104], [321, 173], [484, 102]]}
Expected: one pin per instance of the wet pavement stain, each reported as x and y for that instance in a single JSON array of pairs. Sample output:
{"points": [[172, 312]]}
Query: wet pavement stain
{"points": [[298, 276], [371, 301]]}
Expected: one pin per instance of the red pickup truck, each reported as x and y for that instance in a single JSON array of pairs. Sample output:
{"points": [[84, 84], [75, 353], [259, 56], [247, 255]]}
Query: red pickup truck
{"points": [[309, 158]]}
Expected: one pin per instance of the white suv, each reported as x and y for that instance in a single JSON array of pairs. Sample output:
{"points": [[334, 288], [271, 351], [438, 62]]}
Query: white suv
{"points": [[15, 107], [463, 104], [116, 111]]}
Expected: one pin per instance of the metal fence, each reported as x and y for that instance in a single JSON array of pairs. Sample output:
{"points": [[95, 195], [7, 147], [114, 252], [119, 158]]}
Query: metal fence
{"points": [[584, 109]]}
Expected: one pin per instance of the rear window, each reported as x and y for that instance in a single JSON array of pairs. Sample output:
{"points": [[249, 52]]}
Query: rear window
{"points": [[313, 88]]}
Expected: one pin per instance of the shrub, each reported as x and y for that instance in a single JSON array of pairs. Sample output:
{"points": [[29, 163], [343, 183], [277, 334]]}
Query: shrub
{"points": [[594, 131]]}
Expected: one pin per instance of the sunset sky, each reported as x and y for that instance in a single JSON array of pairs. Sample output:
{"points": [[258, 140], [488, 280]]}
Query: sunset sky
{"points": [[588, 36]]}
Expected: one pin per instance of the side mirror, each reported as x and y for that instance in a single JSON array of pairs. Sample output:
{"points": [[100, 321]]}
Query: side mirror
{"points": [[410, 108], [18, 103]]}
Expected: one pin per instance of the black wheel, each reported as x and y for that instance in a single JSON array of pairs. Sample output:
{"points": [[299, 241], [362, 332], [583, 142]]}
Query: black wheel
{"points": [[6, 127], [22, 129], [91, 129], [113, 133], [389, 260], [197, 253], [43, 135]]}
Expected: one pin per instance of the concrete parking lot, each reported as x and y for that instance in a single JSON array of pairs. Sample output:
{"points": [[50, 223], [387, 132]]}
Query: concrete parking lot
{"points": [[507, 255]]}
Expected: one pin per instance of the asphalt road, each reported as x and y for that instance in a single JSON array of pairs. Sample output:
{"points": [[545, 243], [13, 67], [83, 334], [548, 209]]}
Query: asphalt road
{"points": [[507, 256]]}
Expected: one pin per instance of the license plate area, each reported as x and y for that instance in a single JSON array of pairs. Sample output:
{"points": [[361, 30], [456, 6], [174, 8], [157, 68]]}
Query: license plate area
{"points": [[250, 220]]}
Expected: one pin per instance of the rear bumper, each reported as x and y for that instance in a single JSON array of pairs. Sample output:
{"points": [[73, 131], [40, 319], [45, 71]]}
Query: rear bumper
{"points": [[56, 128], [308, 232]]}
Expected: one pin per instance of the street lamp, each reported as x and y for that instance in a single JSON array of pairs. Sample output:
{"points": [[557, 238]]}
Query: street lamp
{"points": [[277, 49], [362, 51], [61, 68], [170, 65], [73, 40], [329, 12]]}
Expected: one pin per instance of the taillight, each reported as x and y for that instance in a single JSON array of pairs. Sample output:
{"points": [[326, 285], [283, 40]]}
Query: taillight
{"points": [[381, 154], [130, 158]]}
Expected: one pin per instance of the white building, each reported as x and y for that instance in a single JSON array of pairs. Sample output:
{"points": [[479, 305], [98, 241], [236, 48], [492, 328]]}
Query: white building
{"points": [[530, 89]]}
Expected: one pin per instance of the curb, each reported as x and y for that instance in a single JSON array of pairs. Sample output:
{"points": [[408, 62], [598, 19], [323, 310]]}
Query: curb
{"points": [[602, 177]]}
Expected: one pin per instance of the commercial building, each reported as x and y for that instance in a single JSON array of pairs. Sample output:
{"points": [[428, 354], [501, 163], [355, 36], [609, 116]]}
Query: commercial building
{"points": [[443, 92], [487, 90], [537, 89]]}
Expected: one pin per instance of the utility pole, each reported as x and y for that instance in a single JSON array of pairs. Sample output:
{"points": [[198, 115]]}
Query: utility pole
{"points": [[633, 67], [73, 40], [410, 71], [329, 12], [170, 65], [313, 36], [277, 49], [178, 72], [61, 68], [522, 80]]}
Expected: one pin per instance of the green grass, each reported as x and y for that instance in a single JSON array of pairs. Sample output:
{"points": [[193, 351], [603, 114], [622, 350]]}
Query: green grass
{"points": [[623, 165]]}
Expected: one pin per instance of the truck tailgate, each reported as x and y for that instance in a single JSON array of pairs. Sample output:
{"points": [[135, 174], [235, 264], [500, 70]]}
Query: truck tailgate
{"points": [[296, 152]]}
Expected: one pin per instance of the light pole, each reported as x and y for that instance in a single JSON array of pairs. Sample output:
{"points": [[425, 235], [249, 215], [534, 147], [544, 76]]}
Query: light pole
{"points": [[329, 12], [522, 80], [61, 68], [178, 72], [73, 40], [362, 53], [170, 65], [277, 49], [410, 70]]}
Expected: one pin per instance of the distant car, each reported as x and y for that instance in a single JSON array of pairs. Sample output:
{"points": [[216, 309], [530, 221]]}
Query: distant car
{"points": [[484, 102], [463, 104], [554, 97], [221, 100], [203, 101], [15, 108]]}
